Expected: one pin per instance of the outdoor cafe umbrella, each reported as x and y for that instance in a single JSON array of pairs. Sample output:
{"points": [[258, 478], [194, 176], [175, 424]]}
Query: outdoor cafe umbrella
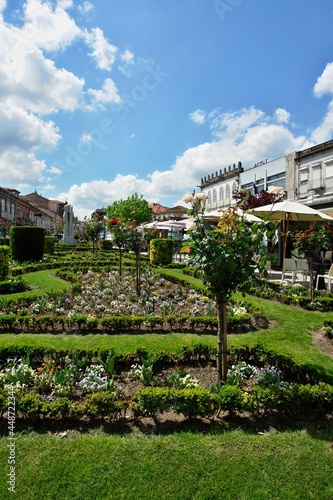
{"points": [[215, 216], [288, 210]]}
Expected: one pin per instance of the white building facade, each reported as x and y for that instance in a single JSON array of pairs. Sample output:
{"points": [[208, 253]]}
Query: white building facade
{"points": [[306, 176]]}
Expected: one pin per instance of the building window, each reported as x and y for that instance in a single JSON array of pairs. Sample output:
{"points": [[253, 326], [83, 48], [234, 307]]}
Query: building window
{"points": [[317, 181], [248, 187], [277, 180], [221, 194], [209, 197], [303, 175], [329, 168], [214, 196], [227, 192], [234, 187]]}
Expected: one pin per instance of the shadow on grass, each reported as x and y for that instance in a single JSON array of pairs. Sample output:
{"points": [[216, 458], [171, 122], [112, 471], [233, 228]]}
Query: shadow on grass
{"points": [[318, 426]]}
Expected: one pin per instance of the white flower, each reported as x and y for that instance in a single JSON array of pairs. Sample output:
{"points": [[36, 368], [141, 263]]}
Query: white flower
{"points": [[190, 224], [188, 198], [201, 197], [276, 190]]}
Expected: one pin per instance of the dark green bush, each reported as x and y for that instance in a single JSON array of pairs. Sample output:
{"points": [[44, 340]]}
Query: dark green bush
{"points": [[27, 243], [49, 245], [4, 262]]}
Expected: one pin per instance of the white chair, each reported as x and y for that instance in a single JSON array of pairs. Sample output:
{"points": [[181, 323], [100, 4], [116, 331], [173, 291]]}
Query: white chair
{"points": [[328, 256], [303, 268], [328, 276], [290, 267]]}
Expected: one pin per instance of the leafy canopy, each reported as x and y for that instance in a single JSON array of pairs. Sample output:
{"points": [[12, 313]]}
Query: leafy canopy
{"points": [[134, 210]]}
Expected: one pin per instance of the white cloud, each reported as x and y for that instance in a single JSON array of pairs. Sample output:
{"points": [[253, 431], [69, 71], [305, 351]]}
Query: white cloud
{"points": [[324, 132], [324, 84], [103, 52], [20, 169], [31, 81], [282, 115], [198, 116], [86, 7], [88, 196], [48, 28], [236, 123], [108, 93], [127, 57], [25, 131], [54, 170]]}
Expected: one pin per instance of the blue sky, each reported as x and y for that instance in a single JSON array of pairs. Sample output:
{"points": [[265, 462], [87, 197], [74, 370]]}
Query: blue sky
{"points": [[104, 98]]}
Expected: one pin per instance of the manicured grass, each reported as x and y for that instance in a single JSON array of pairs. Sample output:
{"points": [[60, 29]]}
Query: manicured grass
{"points": [[234, 465], [42, 282], [122, 344]]}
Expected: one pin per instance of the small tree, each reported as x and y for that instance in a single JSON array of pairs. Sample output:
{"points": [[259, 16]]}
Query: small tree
{"points": [[126, 216], [93, 228], [224, 254], [120, 237]]}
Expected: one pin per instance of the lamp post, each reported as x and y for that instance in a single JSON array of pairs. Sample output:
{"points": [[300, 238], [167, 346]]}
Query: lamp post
{"points": [[105, 218], [150, 206]]}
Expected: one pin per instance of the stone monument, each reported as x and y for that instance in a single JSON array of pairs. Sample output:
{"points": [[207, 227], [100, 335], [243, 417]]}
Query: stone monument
{"points": [[68, 238]]}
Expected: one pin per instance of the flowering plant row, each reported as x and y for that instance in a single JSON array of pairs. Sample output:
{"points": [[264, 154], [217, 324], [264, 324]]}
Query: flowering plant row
{"points": [[117, 324]]}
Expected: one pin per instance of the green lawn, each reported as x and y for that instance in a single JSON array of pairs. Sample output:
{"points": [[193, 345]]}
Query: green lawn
{"points": [[41, 283], [232, 465]]}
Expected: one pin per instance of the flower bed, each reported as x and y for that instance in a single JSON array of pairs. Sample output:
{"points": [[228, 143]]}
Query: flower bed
{"points": [[100, 301], [89, 389]]}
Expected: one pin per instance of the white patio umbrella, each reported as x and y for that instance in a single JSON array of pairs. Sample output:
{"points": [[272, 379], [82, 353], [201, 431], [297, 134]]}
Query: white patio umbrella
{"points": [[291, 210], [166, 224], [215, 215]]}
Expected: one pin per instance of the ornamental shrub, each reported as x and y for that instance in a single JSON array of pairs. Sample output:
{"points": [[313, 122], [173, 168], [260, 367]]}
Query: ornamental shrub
{"points": [[161, 251], [4, 262], [49, 244], [27, 243]]}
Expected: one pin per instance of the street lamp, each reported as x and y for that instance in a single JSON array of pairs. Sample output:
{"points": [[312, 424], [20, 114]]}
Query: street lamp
{"points": [[150, 206], [105, 218]]}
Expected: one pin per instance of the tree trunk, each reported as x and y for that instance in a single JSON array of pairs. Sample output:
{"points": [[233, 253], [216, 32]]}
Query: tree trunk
{"points": [[310, 265], [138, 273], [120, 262], [222, 355]]}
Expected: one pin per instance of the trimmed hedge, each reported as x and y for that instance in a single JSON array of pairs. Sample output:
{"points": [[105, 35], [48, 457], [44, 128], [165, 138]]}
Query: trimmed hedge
{"points": [[27, 243], [4, 262], [299, 400]]}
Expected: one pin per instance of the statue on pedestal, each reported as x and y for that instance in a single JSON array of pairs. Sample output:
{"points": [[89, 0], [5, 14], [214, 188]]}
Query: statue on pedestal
{"points": [[68, 238]]}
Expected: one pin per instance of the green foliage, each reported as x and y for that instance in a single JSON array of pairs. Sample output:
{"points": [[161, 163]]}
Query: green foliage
{"points": [[230, 398], [224, 254], [133, 210], [4, 262], [49, 245], [27, 243], [313, 240], [161, 251], [13, 286], [143, 372]]}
